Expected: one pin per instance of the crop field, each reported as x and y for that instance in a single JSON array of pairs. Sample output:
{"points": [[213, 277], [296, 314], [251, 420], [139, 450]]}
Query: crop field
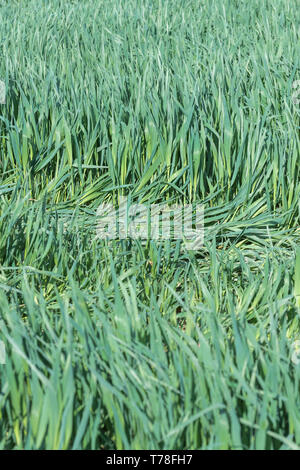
{"points": [[130, 343]]}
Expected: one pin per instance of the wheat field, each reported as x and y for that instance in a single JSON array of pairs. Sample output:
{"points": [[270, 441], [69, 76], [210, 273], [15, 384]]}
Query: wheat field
{"points": [[143, 344]]}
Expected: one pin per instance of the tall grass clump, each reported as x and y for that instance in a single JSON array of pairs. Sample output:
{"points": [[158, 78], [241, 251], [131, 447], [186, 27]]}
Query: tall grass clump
{"points": [[125, 344]]}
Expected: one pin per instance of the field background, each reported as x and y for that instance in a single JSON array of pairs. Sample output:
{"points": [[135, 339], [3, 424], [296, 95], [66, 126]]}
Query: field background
{"points": [[125, 345]]}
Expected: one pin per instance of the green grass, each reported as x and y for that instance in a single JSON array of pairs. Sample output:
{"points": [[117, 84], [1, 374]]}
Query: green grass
{"points": [[129, 345]]}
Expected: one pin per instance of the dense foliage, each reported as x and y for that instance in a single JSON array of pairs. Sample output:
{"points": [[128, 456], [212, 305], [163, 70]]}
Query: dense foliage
{"points": [[125, 344]]}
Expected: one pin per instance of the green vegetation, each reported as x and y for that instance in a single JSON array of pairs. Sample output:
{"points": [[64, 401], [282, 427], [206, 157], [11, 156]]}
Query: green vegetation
{"points": [[125, 344]]}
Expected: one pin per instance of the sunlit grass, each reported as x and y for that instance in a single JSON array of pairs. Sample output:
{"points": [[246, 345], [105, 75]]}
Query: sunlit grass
{"points": [[133, 345]]}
